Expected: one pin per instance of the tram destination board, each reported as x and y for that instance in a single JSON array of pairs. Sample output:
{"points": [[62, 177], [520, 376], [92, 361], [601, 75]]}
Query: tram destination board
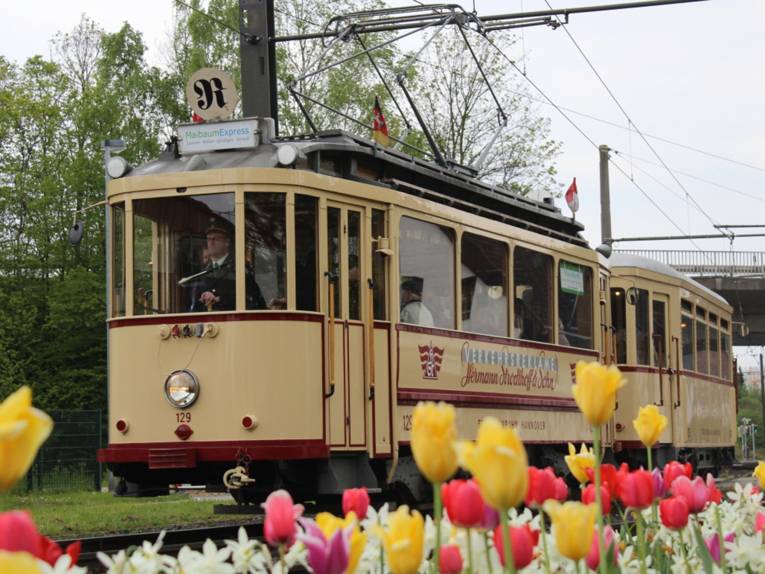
{"points": [[207, 137]]}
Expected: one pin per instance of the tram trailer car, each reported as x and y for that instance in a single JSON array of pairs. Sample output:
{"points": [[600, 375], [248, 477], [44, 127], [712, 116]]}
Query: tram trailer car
{"points": [[276, 313], [671, 337]]}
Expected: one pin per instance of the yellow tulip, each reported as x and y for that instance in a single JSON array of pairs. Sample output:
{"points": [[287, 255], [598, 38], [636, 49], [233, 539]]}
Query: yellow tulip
{"points": [[595, 391], [573, 526], [498, 463], [578, 463], [649, 424], [403, 540], [759, 472], [329, 524], [18, 563], [23, 429], [433, 436]]}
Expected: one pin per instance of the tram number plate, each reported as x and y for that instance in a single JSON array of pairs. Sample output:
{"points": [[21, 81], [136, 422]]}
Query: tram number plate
{"points": [[183, 417], [407, 422]]}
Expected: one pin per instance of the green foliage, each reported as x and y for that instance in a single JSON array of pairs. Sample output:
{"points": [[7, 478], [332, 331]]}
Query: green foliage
{"points": [[54, 117]]}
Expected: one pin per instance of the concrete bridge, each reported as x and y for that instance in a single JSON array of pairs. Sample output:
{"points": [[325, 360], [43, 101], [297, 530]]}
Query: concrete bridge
{"points": [[739, 276]]}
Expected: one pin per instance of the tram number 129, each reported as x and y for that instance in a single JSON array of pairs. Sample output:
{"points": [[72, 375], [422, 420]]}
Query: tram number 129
{"points": [[183, 417]]}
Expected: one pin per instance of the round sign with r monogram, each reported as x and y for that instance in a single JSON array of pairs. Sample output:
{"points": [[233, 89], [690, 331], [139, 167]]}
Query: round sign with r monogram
{"points": [[211, 94]]}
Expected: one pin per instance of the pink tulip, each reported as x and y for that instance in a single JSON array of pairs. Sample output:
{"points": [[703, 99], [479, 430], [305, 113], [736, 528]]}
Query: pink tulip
{"points": [[18, 533], [673, 469], [593, 557], [490, 518], [356, 500], [759, 522], [713, 545], [326, 556], [658, 483], [451, 559], [522, 540], [280, 523], [695, 492], [463, 502]]}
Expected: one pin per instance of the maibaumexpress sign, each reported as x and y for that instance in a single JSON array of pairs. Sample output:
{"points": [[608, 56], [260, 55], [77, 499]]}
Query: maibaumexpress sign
{"points": [[199, 138]]}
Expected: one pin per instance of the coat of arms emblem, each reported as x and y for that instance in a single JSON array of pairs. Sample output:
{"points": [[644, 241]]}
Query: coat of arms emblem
{"points": [[430, 360]]}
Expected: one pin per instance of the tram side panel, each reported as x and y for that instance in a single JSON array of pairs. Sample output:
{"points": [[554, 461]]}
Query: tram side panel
{"points": [[523, 384], [708, 409]]}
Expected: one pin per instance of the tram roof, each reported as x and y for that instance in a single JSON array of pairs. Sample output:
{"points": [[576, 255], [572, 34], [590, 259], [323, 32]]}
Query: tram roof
{"points": [[354, 158], [631, 260]]}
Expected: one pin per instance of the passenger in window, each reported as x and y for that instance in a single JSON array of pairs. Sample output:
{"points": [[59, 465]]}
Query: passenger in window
{"points": [[413, 310], [520, 322]]}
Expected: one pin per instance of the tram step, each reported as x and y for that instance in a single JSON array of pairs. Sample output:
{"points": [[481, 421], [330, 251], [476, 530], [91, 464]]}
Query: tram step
{"points": [[172, 458]]}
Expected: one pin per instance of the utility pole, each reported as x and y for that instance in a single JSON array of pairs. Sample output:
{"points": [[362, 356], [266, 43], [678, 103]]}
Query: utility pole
{"points": [[605, 197], [258, 55]]}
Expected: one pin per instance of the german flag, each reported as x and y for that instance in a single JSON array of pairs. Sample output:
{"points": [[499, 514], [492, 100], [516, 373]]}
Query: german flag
{"points": [[379, 127]]}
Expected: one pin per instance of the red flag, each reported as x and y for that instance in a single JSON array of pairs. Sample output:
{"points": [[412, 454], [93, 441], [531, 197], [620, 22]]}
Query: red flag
{"points": [[572, 197], [196, 118], [379, 127]]}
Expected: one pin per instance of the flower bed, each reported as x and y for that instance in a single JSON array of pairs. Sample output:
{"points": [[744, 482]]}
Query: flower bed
{"points": [[509, 517]]}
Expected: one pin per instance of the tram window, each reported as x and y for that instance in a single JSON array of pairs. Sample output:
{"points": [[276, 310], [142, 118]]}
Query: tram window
{"points": [[642, 328], [265, 251], [659, 335], [574, 305], [702, 355], [354, 265], [426, 261], [533, 282], [484, 285], [725, 349], [183, 258], [687, 337], [333, 255], [619, 322], [378, 267], [714, 346], [118, 260], [306, 233]]}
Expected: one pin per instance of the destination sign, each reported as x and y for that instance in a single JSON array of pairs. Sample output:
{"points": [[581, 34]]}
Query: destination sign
{"points": [[207, 137]]}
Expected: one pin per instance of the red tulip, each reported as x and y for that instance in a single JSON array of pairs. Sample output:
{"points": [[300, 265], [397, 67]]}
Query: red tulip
{"points": [[51, 551], [695, 492], [636, 489], [674, 469], [356, 500], [541, 486], [464, 503], [674, 512], [759, 522], [280, 523], [523, 541], [18, 533], [714, 493], [588, 497], [609, 477], [593, 557], [450, 559], [561, 489]]}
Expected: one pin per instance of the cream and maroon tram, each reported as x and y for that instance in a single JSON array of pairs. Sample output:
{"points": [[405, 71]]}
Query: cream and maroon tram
{"points": [[672, 340], [276, 313]]}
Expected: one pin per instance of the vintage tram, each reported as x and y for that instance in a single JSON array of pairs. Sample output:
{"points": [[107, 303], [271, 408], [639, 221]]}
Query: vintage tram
{"points": [[277, 311]]}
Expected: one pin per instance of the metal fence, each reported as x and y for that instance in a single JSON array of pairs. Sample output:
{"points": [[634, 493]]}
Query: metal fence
{"points": [[708, 263], [67, 460]]}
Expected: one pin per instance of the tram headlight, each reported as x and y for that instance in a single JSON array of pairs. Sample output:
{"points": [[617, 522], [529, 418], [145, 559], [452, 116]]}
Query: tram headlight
{"points": [[181, 388]]}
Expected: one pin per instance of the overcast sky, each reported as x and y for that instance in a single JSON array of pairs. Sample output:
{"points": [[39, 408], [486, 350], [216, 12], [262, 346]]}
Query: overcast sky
{"points": [[690, 73]]}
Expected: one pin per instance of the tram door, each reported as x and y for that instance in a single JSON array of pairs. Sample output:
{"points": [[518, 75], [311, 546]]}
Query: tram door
{"points": [[661, 355], [347, 404]]}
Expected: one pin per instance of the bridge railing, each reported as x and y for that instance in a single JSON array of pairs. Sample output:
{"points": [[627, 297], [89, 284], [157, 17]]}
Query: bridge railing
{"points": [[707, 263]]}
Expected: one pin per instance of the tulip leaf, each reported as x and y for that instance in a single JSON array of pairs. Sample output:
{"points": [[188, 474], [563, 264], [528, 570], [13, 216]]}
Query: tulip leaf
{"points": [[703, 551]]}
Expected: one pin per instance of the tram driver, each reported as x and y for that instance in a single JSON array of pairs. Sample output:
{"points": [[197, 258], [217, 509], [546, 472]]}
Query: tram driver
{"points": [[413, 310], [215, 290]]}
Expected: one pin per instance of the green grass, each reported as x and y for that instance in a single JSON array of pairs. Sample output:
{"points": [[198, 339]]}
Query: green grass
{"points": [[62, 515]]}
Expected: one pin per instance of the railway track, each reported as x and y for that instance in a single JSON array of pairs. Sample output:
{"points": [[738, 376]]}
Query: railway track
{"points": [[174, 540]]}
